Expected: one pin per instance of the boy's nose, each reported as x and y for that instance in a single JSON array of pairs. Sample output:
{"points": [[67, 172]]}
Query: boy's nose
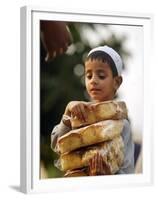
{"points": [[94, 80]]}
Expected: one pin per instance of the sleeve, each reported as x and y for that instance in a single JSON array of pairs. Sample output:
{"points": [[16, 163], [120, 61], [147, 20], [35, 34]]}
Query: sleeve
{"points": [[57, 132], [128, 164]]}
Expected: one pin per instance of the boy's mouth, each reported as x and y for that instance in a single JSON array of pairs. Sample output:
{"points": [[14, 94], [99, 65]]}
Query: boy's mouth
{"points": [[95, 90]]}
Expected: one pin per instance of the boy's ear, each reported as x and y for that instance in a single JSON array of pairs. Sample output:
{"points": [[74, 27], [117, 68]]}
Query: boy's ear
{"points": [[118, 81]]}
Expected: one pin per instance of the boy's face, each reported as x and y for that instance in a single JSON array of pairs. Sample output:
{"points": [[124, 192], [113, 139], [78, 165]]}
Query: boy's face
{"points": [[100, 83]]}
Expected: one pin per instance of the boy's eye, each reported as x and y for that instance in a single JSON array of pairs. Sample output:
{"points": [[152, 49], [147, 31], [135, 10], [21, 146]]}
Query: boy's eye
{"points": [[89, 76], [102, 76]]}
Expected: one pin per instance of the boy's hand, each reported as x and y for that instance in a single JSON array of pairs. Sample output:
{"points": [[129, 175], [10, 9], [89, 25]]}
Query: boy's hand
{"points": [[77, 109], [97, 166]]}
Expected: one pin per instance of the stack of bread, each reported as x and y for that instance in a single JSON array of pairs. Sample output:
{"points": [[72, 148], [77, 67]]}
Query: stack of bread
{"points": [[101, 133]]}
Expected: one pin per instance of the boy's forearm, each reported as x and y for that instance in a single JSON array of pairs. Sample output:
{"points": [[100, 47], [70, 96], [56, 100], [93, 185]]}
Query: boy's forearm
{"points": [[57, 132], [63, 127]]}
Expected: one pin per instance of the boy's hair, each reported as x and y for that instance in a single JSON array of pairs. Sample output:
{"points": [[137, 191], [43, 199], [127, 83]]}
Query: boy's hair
{"points": [[104, 57]]}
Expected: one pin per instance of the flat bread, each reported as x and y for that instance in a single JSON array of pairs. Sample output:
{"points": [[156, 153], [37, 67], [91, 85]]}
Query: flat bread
{"points": [[112, 152], [92, 134], [102, 111]]}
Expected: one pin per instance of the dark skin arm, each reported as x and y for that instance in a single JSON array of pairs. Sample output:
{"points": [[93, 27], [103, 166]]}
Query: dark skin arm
{"points": [[97, 166], [55, 38]]}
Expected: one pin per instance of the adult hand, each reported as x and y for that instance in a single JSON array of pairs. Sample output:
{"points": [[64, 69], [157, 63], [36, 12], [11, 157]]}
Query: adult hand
{"points": [[55, 37]]}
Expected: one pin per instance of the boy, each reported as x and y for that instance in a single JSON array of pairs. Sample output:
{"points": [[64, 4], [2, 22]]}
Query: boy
{"points": [[103, 68]]}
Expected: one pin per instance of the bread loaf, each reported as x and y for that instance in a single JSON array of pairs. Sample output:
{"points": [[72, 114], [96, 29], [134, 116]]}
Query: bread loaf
{"points": [[92, 134], [102, 111], [111, 151]]}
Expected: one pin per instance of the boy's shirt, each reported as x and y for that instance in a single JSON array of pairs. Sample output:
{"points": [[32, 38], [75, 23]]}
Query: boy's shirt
{"points": [[128, 165]]}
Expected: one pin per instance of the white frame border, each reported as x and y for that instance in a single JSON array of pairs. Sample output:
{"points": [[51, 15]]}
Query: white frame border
{"points": [[30, 70]]}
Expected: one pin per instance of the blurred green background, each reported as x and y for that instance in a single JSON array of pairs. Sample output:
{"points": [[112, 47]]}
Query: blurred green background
{"points": [[62, 80]]}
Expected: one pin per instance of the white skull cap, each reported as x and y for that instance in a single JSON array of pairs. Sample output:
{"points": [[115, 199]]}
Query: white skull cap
{"points": [[113, 54]]}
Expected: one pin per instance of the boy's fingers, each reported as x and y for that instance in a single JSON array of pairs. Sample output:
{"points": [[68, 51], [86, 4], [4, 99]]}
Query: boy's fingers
{"points": [[97, 166], [82, 109], [101, 165], [89, 107], [92, 108], [73, 113], [91, 173], [83, 112], [89, 167], [98, 163], [93, 166], [78, 113]]}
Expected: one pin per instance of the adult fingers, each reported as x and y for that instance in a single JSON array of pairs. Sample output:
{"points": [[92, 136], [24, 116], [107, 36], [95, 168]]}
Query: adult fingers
{"points": [[50, 56]]}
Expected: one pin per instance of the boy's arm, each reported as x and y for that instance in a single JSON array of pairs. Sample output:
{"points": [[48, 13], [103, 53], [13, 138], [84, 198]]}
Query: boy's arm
{"points": [[128, 164], [57, 132], [73, 108]]}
